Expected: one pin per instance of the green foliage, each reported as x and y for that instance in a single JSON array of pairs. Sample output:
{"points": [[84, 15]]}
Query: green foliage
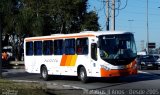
{"points": [[5, 10], [90, 22], [22, 18], [44, 17], [17, 88], [67, 15]]}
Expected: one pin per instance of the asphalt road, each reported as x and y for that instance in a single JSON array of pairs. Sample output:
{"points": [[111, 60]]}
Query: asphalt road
{"points": [[146, 82], [146, 79]]}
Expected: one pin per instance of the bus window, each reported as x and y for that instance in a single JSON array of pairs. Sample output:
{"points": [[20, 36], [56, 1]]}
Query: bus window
{"points": [[38, 48], [70, 46], [29, 48], [94, 51], [48, 47], [82, 46], [58, 47]]}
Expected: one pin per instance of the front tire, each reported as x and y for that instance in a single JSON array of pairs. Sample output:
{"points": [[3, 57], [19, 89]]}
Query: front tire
{"points": [[44, 73], [83, 75]]}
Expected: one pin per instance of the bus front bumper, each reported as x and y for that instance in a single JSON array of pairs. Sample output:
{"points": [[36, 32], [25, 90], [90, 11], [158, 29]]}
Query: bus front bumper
{"points": [[118, 73]]}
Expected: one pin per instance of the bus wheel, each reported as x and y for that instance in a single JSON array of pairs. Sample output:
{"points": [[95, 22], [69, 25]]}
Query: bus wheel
{"points": [[44, 73], [83, 75]]}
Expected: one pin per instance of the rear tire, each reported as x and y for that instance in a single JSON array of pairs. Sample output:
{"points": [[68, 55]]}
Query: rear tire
{"points": [[44, 73], [83, 75]]}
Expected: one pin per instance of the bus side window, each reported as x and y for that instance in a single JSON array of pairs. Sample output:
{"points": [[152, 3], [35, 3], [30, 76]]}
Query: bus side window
{"points": [[29, 48], [82, 46], [70, 46], [48, 47], [38, 48], [94, 51], [58, 47]]}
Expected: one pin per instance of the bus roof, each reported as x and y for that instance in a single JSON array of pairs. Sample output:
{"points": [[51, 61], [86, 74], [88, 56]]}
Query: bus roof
{"points": [[76, 35]]}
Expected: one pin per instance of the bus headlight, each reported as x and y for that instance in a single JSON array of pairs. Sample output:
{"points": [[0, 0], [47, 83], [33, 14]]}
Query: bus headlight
{"points": [[105, 67], [143, 63]]}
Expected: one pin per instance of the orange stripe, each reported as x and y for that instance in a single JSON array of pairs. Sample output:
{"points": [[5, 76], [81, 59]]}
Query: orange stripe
{"points": [[68, 61], [73, 61], [114, 73], [52, 38], [63, 60], [80, 36]]}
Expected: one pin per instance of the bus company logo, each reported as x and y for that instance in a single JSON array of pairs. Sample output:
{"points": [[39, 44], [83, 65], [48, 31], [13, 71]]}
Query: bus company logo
{"points": [[50, 60]]}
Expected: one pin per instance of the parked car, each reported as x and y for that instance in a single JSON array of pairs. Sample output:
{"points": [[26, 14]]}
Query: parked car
{"points": [[6, 56], [148, 62]]}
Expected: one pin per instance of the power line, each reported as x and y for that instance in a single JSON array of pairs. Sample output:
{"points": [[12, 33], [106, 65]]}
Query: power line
{"points": [[117, 8], [121, 3]]}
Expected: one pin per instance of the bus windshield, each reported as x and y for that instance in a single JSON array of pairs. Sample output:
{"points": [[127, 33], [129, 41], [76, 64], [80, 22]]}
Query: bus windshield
{"points": [[117, 49]]}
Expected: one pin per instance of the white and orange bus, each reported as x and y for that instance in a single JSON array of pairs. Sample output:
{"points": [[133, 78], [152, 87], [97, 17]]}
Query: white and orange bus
{"points": [[85, 54]]}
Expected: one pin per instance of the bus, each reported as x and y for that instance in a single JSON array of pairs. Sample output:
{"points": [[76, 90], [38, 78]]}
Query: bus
{"points": [[86, 54]]}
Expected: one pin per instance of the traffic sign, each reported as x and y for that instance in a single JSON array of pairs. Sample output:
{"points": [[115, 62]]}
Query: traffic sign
{"points": [[151, 45]]}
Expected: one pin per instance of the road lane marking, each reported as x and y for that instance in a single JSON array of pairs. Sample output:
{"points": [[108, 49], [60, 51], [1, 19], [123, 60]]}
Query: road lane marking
{"points": [[67, 86], [76, 87]]}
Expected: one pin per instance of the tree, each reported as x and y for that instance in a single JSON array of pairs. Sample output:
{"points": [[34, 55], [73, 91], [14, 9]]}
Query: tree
{"points": [[23, 18], [90, 22], [6, 11], [67, 15], [45, 17]]}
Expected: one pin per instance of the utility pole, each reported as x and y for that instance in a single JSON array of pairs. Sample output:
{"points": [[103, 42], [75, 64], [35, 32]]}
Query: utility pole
{"points": [[113, 15], [107, 15], [147, 30], [0, 45]]}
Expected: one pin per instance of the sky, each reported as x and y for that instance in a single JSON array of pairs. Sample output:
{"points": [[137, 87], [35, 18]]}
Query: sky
{"points": [[133, 18]]}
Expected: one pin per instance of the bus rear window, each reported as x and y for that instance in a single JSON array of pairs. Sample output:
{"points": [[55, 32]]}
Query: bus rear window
{"points": [[29, 48]]}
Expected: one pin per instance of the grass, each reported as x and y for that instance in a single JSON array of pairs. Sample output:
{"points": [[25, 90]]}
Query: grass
{"points": [[32, 88], [19, 88]]}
